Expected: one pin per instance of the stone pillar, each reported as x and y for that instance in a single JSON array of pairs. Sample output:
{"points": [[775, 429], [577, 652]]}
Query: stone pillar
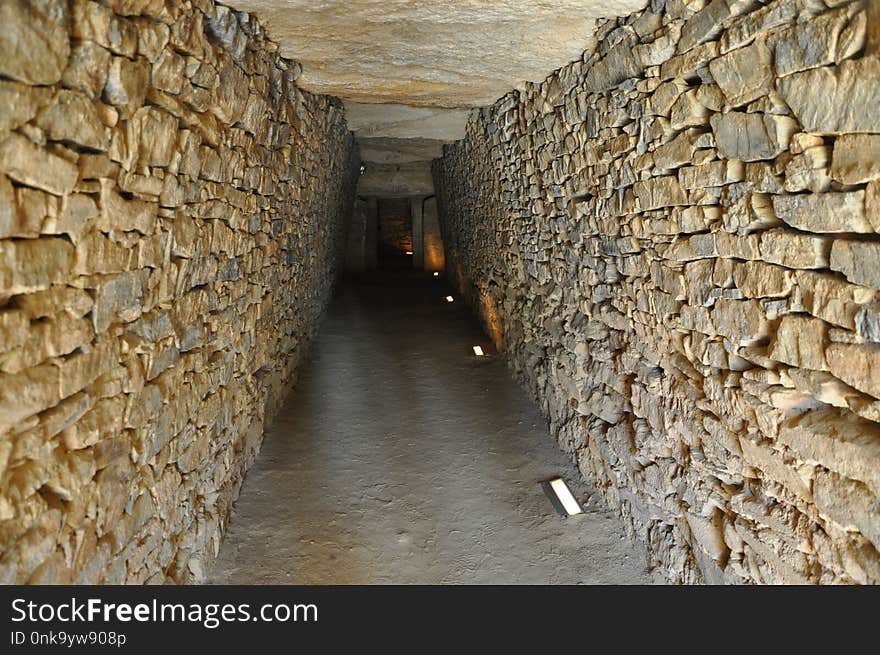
{"points": [[418, 233], [371, 242], [435, 258], [356, 239]]}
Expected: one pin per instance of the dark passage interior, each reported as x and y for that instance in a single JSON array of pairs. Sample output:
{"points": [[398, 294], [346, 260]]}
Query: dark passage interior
{"points": [[395, 227]]}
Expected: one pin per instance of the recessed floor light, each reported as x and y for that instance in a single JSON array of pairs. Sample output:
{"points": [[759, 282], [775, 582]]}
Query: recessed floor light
{"points": [[478, 351], [561, 497], [449, 299]]}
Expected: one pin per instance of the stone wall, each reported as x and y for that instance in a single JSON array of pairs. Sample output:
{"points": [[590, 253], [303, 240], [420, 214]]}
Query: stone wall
{"points": [[172, 210], [675, 242]]}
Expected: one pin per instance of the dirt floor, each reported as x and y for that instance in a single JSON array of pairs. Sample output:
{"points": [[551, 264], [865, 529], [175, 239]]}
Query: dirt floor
{"points": [[400, 457]]}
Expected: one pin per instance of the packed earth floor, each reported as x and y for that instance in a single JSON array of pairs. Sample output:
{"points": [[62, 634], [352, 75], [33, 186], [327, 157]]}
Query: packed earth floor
{"points": [[400, 457]]}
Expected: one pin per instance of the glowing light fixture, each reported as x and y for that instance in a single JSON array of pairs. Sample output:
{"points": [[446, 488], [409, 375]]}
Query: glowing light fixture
{"points": [[561, 497], [436, 274], [478, 351], [409, 252], [449, 298]]}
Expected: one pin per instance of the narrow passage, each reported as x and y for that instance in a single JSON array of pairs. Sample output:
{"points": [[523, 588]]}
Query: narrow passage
{"points": [[400, 457]]}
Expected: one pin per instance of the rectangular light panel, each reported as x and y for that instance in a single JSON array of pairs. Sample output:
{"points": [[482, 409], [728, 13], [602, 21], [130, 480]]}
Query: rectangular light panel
{"points": [[560, 495]]}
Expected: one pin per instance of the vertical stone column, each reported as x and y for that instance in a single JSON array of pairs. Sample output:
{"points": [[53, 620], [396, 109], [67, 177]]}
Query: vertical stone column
{"points": [[418, 232], [432, 239], [356, 239], [372, 234]]}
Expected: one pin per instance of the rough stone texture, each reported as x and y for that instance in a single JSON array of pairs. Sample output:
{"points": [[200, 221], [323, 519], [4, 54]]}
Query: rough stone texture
{"points": [[409, 69], [34, 43], [419, 52], [172, 208], [849, 93], [681, 260], [387, 180], [404, 122], [856, 159], [399, 151]]}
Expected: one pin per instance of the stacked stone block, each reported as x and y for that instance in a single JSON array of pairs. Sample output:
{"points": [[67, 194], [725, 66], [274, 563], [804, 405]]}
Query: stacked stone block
{"points": [[676, 241], [172, 211]]}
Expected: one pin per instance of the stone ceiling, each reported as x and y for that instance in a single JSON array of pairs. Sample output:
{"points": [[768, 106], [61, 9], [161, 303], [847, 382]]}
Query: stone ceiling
{"points": [[424, 63]]}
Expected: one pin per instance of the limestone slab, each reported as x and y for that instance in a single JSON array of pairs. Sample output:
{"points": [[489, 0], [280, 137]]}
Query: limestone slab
{"points": [[29, 164], [407, 179], [397, 151], [34, 44], [856, 158], [405, 122], [420, 52], [824, 212], [850, 92], [752, 137], [859, 261]]}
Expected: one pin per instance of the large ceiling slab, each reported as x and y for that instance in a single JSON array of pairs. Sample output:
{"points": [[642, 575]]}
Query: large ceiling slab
{"points": [[409, 71], [405, 122], [459, 53]]}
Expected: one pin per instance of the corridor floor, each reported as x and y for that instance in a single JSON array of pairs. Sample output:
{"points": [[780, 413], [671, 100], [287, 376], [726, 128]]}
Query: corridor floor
{"points": [[402, 458]]}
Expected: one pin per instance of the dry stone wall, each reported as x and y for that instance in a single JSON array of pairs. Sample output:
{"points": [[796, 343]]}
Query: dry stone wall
{"points": [[676, 241], [172, 213]]}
